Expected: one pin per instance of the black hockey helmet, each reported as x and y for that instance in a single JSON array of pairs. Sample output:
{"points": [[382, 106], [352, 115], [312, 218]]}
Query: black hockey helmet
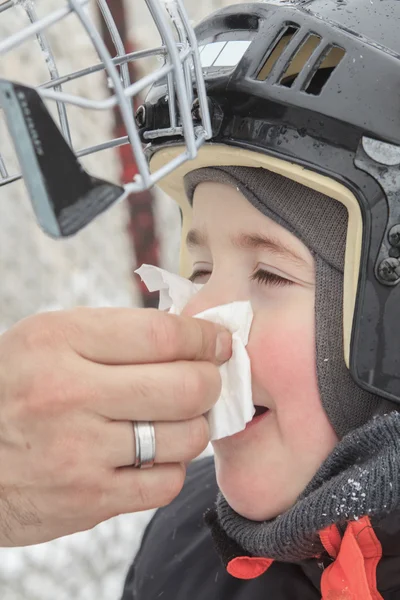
{"points": [[308, 89]]}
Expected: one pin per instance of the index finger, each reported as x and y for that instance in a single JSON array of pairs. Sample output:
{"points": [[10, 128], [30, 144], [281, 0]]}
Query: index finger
{"points": [[138, 336]]}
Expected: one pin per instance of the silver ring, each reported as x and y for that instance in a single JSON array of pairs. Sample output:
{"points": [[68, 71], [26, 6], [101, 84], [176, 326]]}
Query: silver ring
{"points": [[145, 444]]}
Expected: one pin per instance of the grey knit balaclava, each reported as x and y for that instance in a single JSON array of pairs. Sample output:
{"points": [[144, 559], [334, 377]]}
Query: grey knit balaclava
{"points": [[321, 224]]}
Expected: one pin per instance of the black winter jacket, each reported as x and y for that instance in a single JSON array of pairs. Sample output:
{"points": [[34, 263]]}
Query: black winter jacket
{"points": [[178, 560]]}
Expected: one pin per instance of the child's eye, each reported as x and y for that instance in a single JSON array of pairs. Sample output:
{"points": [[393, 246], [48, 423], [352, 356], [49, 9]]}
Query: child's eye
{"points": [[197, 274], [270, 278], [260, 275]]}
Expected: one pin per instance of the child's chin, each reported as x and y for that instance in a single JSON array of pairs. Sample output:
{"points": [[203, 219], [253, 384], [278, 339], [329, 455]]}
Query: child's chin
{"points": [[248, 494], [245, 499], [249, 509]]}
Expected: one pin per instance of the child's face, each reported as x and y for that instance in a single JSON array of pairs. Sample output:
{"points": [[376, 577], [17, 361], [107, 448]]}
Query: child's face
{"points": [[262, 470]]}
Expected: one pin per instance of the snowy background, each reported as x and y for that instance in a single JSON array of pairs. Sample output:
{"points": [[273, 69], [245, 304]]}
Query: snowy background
{"points": [[92, 269]]}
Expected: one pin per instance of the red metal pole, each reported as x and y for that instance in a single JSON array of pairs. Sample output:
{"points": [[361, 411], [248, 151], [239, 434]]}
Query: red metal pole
{"points": [[141, 225]]}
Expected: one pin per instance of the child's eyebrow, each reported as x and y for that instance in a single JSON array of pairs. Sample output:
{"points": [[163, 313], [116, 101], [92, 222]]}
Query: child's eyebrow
{"points": [[245, 241]]}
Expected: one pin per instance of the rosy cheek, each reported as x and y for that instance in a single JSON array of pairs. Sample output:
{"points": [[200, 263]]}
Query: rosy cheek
{"points": [[282, 355]]}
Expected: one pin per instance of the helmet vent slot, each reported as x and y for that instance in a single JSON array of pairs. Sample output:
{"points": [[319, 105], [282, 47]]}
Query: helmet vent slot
{"points": [[281, 42], [323, 70], [305, 66], [300, 60]]}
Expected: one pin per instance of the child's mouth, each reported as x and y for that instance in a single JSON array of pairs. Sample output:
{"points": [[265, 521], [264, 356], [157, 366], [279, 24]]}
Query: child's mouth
{"points": [[259, 415], [260, 410]]}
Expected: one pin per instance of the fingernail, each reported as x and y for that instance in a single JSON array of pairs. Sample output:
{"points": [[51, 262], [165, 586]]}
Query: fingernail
{"points": [[223, 347]]}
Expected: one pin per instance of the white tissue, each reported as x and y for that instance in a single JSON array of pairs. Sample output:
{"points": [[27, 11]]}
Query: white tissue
{"points": [[234, 407]]}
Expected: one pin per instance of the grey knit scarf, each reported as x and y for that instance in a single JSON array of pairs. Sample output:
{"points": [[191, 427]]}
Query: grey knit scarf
{"points": [[360, 477]]}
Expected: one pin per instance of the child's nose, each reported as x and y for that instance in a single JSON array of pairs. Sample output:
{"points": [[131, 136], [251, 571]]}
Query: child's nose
{"points": [[195, 306], [207, 298]]}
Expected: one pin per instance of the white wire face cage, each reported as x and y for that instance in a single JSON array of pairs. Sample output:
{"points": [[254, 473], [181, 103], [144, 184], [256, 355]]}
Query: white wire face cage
{"points": [[65, 197]]}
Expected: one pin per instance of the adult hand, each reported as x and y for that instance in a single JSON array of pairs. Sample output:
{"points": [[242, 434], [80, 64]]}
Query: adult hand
{"points": [[71, 383]]}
